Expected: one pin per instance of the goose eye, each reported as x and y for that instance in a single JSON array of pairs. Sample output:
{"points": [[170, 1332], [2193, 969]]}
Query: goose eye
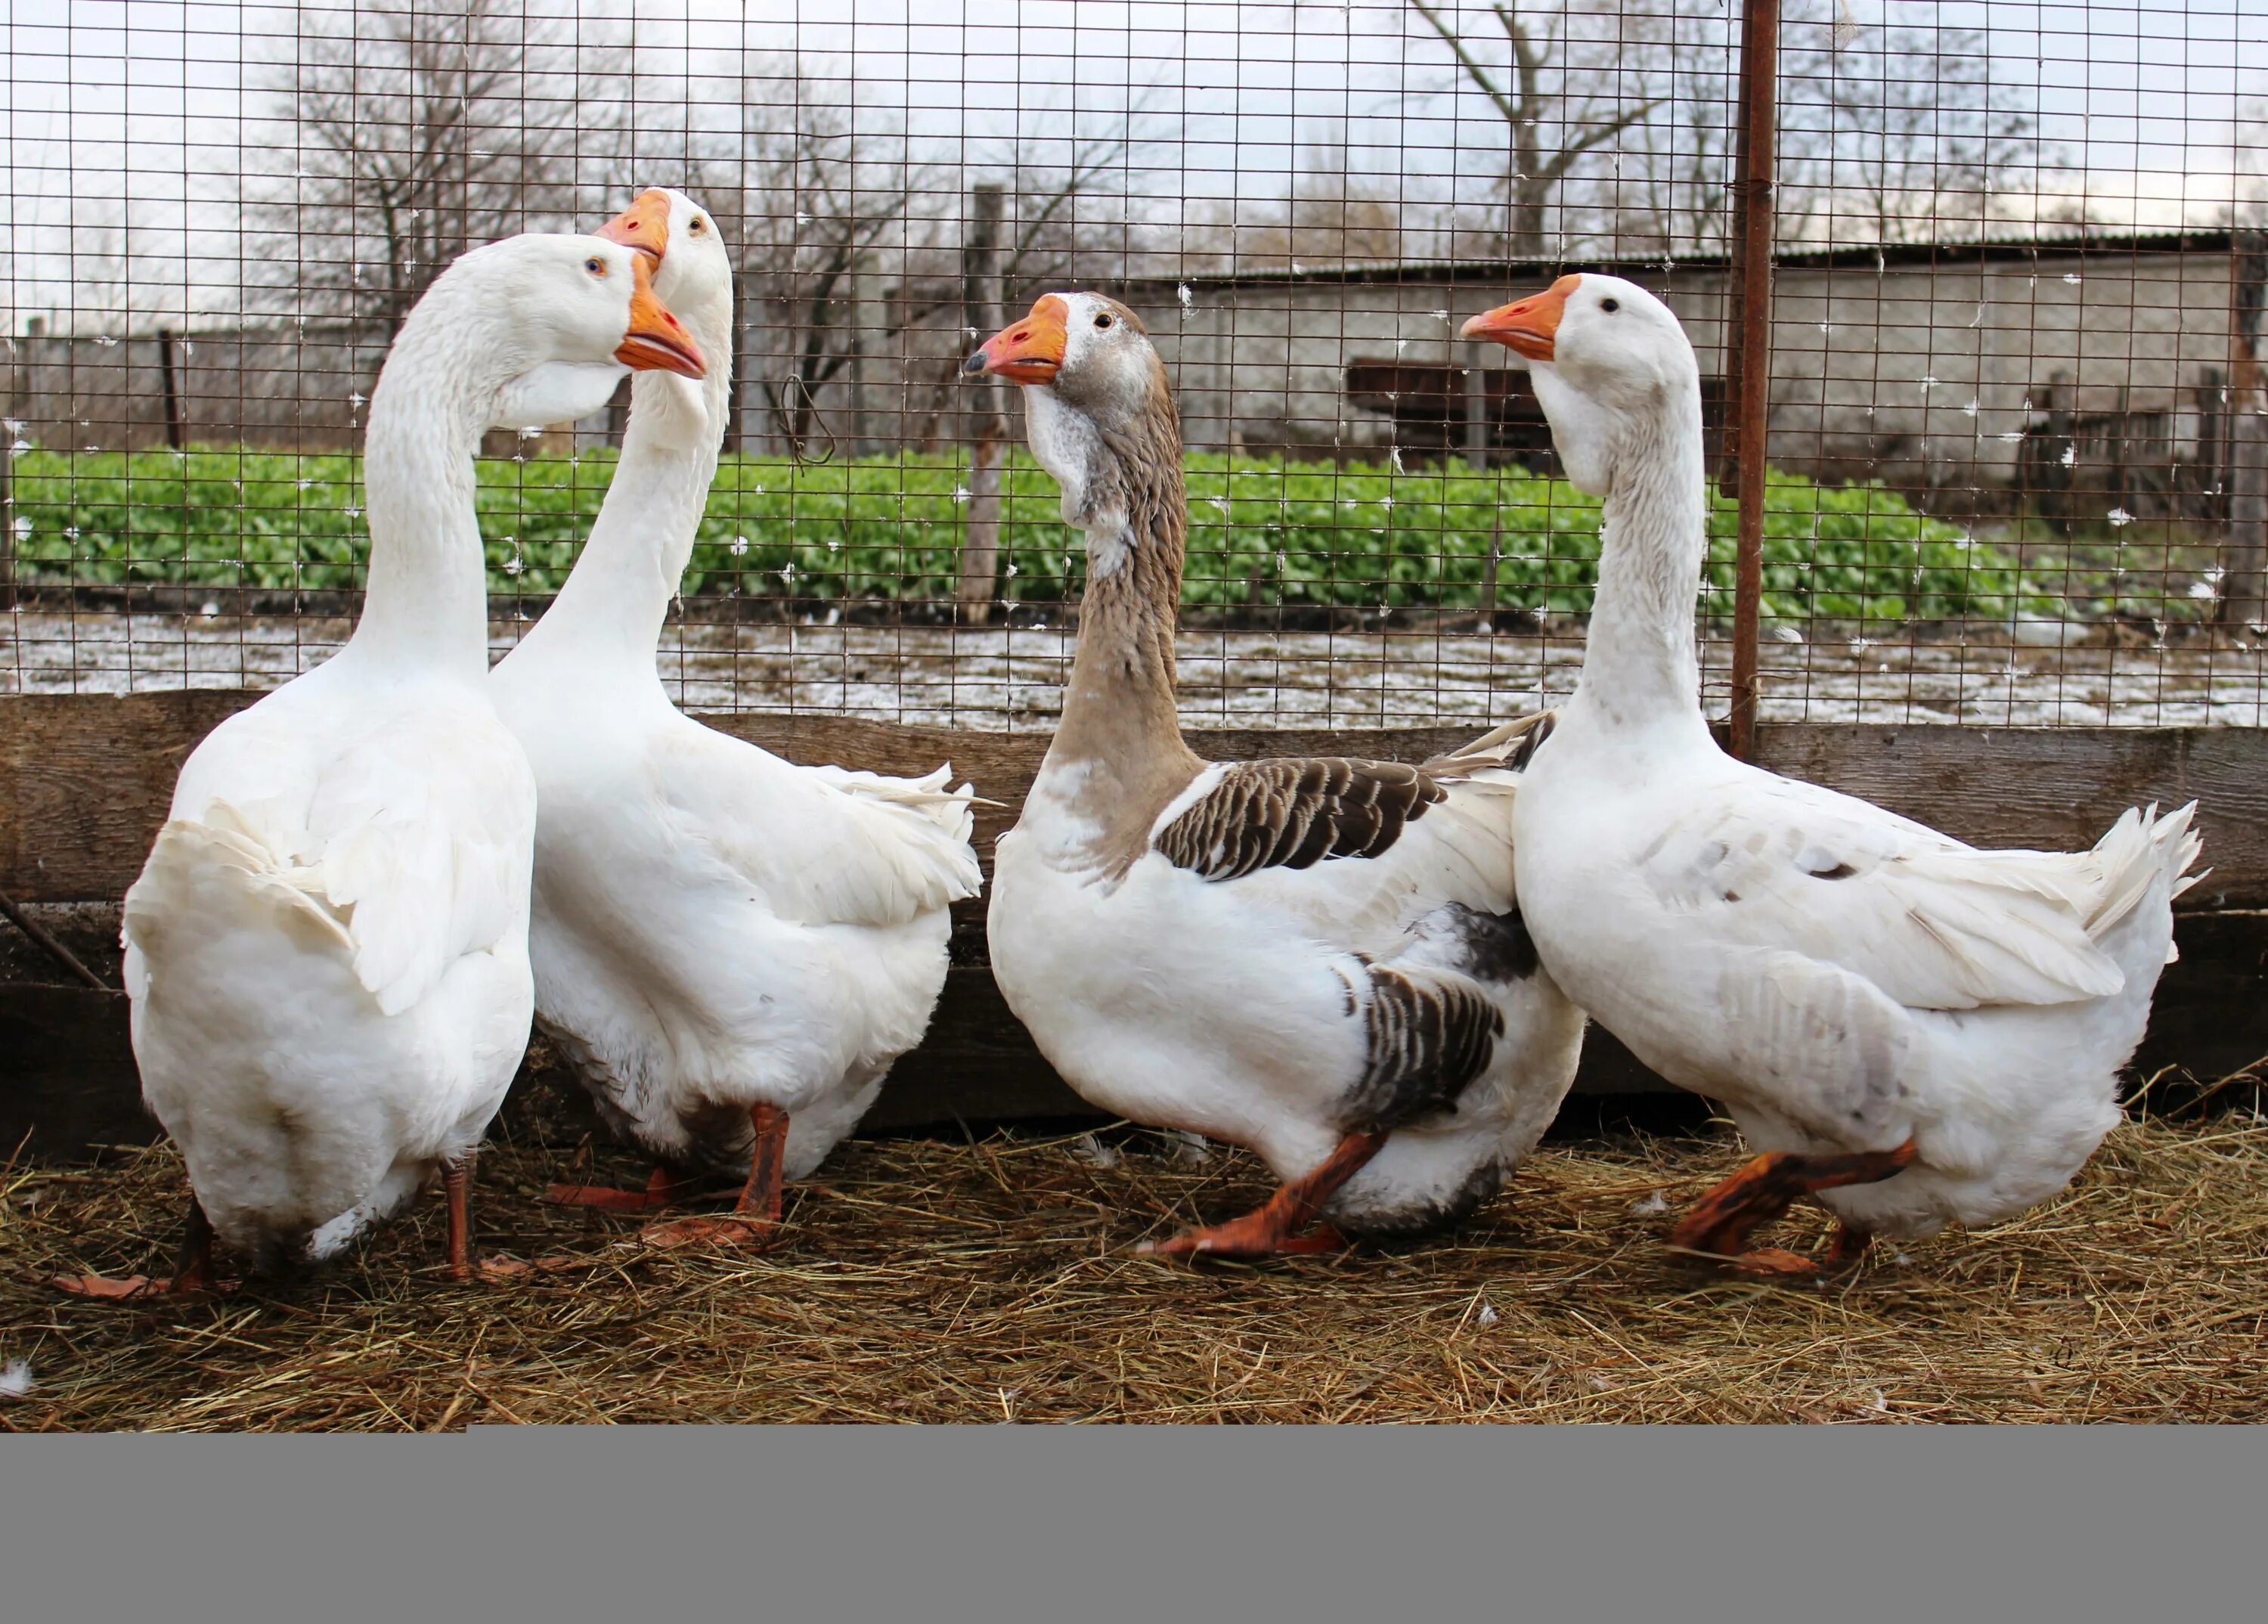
{"points": [[596, 266], [1102, 321], [699, 225], [1610, 304]]}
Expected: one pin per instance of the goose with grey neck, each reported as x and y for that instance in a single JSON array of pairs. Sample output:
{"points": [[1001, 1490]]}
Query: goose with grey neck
{"points": [[731, 950], [326, 951], [1322, 960], [1913, 1032]]}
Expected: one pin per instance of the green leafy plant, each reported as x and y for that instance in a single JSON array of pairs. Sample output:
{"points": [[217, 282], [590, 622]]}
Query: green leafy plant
{"points": [[1263, 532]]}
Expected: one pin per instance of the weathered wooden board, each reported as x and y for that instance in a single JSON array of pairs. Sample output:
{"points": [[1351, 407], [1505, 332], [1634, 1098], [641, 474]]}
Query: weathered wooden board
{"points": [[85, 780], [67, 1077]]}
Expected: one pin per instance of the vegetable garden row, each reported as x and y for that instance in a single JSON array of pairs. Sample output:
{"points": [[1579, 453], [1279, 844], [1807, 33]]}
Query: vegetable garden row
{"points": [[1262, 532]]}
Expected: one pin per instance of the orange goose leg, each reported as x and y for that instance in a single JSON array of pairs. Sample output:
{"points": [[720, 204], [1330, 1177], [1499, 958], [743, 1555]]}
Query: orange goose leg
{"points": [[457, 1187], [1720, 1222], [757, 1214], [193, 1271], [665, 1187], [1280, 1225]]}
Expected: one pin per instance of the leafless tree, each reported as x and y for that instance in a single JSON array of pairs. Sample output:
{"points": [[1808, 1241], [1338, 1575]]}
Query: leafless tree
{"points": [[113, 265], [2248, 165], [1902, 133], [1067, 219], [421, 130], [1551, 124], [1334, 215], [1670, 188], [821, 193], [103, 257], [846, 240]]}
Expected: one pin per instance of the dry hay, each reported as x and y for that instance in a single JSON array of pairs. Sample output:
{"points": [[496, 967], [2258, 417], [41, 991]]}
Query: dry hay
{"points": [[993, 1279]]}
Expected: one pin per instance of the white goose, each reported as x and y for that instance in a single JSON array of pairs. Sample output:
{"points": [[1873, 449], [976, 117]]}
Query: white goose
{"points": [[1917, 1032], [1322, 960], [326, 951], [731, 950]]}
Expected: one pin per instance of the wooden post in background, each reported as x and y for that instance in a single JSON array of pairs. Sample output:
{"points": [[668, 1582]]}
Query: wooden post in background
{"points": [[744, 306], [1748, 342], [1479, 434], [1477, 422], [980, 302], [2244, 578], [8, 408], [169, 380]]}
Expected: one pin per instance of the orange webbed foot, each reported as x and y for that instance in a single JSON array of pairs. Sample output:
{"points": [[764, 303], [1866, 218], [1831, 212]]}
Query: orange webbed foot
{"points": [[753, 1233], [140, 1287], [1247, 1239]]}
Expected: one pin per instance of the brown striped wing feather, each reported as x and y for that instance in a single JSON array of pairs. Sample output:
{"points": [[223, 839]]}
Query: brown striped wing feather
{"points": [[1428, 1039], [1291, 813]]}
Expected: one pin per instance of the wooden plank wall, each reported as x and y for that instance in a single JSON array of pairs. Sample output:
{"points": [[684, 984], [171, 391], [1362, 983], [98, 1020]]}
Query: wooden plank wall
{"points": [[84, 782]]}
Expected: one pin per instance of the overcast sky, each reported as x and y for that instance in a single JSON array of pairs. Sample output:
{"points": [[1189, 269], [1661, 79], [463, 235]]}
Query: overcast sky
{"points": [[155, 101]]}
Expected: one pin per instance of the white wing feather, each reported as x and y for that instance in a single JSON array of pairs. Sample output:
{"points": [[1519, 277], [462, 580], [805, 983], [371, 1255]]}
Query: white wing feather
{"points": [[1932, 923], [824, 845], [417, 866]]}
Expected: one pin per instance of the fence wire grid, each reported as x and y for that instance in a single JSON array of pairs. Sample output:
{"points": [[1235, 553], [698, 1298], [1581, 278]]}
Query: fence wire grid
{"points": [[2018, 463]]}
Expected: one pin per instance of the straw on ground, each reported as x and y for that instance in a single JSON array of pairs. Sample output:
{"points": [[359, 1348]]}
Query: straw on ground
{"points": [[921, 1280]]}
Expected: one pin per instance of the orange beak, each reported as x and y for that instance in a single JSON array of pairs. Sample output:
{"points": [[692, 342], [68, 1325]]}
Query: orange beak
{"points": [[644, 226], [655, 341], [1029, 352], [1528, 327]]}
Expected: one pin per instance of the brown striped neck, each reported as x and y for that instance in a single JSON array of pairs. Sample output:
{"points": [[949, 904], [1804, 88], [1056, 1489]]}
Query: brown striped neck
{"points": [[1120, 739]]}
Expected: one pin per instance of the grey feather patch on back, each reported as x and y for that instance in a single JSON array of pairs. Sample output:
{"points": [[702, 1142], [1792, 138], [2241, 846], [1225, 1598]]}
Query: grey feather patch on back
{"points": [[1495, 948], [1291, 813], [1429, 1036], [1826, 1047]]}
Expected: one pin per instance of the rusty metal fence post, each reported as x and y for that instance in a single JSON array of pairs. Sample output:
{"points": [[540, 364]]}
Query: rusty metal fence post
{"points": [[1749, 344]]}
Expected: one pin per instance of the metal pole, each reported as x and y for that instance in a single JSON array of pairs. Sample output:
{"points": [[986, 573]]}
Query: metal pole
{"points": [[1751, 340]]}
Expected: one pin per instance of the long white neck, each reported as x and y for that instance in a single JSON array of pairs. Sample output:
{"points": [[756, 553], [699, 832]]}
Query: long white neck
{"points": [[1640, 667], [613, 607], [425, 604]]}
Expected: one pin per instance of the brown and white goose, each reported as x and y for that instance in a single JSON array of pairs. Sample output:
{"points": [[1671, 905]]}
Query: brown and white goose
{"points": [[1319, 959]]}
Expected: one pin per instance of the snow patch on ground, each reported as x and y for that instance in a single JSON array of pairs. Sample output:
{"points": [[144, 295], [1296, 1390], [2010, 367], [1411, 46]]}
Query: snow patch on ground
{"points": [[1009, 678]]}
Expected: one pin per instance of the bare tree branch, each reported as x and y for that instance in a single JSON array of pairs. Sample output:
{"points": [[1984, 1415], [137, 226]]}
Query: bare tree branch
{"points": [[423, 132], [1533, 176]]}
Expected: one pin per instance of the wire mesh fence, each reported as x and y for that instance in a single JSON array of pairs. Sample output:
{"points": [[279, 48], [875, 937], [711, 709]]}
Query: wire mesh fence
{"points": [[2018, 463]]}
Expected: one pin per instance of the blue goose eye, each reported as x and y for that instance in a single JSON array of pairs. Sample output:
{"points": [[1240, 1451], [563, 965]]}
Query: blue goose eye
{"points": [[596, 266]]}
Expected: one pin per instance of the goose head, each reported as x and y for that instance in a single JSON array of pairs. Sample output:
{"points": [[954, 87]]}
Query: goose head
{"points": [[1607, 358], [692, 272], [565, 316], [1094, 390]]}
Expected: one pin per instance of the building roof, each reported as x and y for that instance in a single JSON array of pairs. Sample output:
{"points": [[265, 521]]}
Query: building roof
{"points": [[2077, 245]]}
